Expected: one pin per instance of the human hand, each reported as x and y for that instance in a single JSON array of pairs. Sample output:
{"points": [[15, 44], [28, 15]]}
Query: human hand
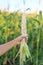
{"points": [[20, 38], [24, 36]]}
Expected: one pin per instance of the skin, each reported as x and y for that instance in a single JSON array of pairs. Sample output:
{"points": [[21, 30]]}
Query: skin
{"points": [[6, 47]]}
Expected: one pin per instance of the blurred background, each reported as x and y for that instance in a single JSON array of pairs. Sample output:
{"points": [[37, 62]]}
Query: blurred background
{"points": [[13, 5], [11, 12]]}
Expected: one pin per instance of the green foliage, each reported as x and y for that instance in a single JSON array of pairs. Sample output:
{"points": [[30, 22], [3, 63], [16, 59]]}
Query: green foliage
{"points": [[10, 28]]}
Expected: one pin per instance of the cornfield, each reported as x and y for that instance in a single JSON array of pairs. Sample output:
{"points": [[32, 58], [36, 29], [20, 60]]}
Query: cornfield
{"points": [[10, 28]]}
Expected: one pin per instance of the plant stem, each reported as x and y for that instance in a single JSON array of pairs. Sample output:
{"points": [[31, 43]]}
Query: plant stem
{"points": [[38, 39]]}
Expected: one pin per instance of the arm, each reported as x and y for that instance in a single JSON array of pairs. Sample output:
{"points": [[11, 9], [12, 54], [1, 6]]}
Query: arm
{"points": [[6, 47]]}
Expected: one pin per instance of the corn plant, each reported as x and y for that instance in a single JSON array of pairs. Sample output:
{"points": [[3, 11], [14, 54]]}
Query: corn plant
{"points": [[24, 51], [35, 32]]}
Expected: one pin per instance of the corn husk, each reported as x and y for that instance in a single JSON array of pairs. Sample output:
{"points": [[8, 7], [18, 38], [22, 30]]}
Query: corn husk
{"points": [[24, 50]]}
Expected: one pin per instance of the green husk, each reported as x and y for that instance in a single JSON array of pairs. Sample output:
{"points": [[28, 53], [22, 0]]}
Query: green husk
{"points": [[24, 52]]}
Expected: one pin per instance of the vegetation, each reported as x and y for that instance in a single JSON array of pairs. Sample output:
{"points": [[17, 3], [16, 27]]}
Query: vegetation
{"points": [[10, 28]]}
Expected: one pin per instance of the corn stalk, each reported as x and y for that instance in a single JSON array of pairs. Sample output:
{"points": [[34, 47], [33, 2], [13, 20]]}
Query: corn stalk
{"points": [[24, 51], [38, 39]]}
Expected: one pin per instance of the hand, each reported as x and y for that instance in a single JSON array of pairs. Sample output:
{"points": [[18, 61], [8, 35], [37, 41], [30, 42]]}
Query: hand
{"points": [[24, 36], [20, 38]]}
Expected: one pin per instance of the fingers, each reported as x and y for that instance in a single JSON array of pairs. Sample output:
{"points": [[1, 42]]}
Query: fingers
{"points": [[26, 37]]}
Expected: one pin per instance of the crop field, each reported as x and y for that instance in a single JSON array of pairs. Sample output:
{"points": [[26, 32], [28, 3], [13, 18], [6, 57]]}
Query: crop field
{"points": [[10, 28]]}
